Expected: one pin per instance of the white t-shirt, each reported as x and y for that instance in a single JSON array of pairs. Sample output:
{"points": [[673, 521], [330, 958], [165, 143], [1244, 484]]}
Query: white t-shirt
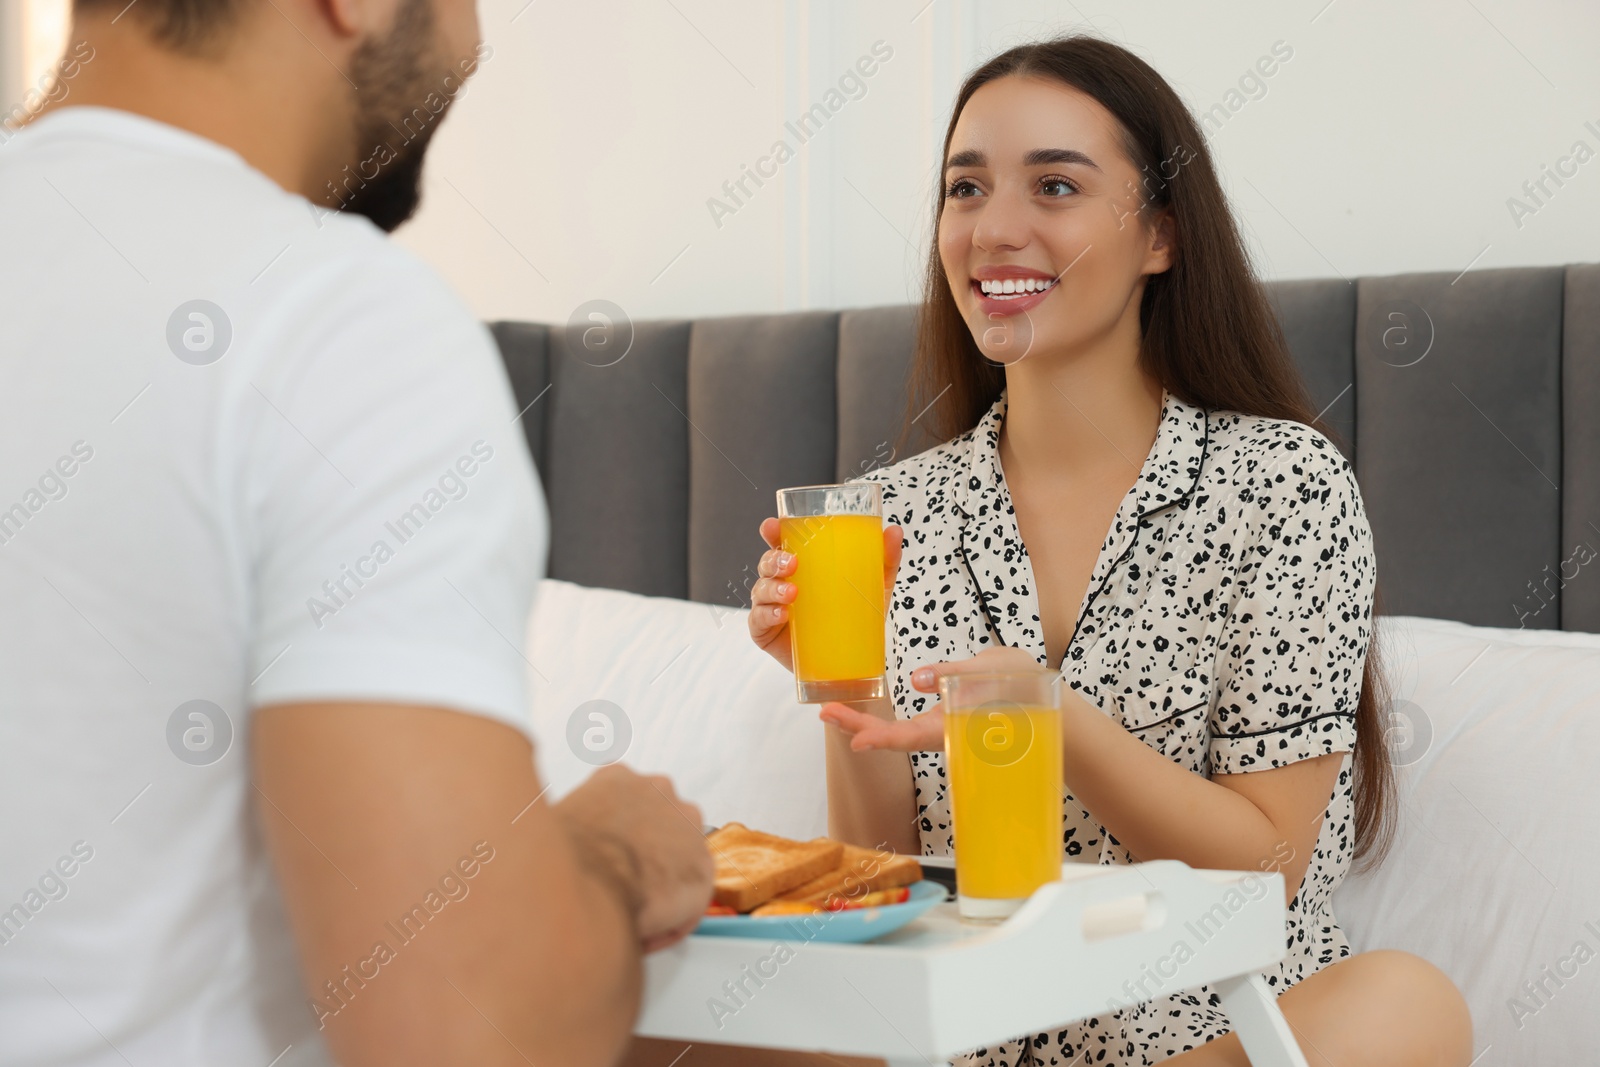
{"points": [[311, 486]]}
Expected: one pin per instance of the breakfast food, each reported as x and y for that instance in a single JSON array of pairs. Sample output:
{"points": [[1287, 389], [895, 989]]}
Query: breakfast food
{"points": [[837, 902], [860, 871], [764, 874], [753, 867]]}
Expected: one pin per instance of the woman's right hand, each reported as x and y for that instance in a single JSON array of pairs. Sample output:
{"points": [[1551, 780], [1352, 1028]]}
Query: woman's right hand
{"points": [[772, 594]]}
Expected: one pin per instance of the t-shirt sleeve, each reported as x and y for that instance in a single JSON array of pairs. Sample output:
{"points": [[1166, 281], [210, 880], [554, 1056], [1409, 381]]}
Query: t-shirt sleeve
{"points": [[1295, 641], [396, 527]]}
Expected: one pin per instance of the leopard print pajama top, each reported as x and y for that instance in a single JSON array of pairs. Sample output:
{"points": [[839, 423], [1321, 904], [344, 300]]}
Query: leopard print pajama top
{"points": [[1225, 625]]}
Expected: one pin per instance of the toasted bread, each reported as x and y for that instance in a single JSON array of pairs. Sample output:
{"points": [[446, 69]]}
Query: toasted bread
{"points": [[753, 867], [860, 871]]}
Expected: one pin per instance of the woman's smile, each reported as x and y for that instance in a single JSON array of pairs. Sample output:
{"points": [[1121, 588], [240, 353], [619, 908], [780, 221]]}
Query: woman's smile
{"points": [[1011, 290]]}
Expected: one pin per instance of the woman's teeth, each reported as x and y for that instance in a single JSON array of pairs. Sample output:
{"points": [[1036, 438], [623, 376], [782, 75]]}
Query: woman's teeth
{"points": [[1014, 287]]}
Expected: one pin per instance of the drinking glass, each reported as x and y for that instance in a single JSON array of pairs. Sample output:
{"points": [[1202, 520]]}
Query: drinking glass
{"points": [[1002, 739], [836, 621]]}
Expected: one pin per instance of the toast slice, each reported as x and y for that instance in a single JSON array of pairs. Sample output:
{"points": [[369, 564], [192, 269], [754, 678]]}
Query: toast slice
{"points": [[753, 867], [860, 871]]}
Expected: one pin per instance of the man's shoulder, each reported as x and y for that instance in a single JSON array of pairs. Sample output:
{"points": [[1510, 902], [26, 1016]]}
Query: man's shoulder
{"points": [[193, 217], [347, 259], [309, 282]]}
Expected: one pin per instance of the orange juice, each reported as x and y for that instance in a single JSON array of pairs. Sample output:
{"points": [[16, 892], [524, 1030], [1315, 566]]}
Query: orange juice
{"points": [[836, 623], [1004, 763]]}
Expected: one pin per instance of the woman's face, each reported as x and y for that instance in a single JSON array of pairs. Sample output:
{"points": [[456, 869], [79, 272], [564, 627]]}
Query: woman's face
{"points": [[1042, 236]]}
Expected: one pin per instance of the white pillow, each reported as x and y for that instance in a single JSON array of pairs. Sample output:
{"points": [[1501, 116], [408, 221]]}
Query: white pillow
{"points": [[703, 706], [1495, 874]]}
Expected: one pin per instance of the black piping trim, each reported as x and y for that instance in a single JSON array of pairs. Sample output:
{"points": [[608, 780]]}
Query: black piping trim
{"points": [[1283, 727], [1205, 452], [1205, 449], [1089, 604], [983, 601], [1169, 718]]}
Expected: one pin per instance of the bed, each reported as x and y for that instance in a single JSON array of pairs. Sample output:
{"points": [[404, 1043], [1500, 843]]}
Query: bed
{"points": [[1470, 407]]}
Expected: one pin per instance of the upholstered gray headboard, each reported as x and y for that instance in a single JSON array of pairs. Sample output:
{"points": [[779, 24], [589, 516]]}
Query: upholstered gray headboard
{"points": [[1469, 404]]}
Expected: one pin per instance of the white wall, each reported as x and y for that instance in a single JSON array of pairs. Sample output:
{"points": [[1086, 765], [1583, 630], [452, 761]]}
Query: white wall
{"points": [[579, 163], [32, 37], [594, 136]]}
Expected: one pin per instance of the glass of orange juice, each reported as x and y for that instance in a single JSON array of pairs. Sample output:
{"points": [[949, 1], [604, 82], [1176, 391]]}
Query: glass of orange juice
{"points": [[836, 622], [1002, 741]]}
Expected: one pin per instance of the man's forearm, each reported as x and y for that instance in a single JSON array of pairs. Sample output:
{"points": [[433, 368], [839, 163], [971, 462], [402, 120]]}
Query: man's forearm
{"points": [[541, 963], [534, 957], [595, 992]]}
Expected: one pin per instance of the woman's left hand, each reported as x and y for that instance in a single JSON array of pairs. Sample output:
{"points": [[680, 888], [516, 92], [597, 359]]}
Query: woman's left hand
{"points": [[924, 732]]}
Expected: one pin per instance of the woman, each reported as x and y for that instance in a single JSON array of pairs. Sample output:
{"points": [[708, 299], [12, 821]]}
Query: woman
{"points": [[1132, 494]]}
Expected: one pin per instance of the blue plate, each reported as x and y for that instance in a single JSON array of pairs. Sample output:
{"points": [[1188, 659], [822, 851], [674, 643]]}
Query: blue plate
{"points": [[841, 927]]}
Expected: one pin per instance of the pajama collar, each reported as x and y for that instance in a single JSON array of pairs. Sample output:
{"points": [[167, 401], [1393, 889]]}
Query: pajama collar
{"points": [[993, 547]]}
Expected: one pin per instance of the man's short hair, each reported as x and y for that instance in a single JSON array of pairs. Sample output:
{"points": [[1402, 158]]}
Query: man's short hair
{"points": [[183, 25]]}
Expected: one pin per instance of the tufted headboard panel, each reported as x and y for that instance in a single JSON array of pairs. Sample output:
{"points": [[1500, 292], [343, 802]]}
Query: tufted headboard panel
{"points": [[1469, 404]]}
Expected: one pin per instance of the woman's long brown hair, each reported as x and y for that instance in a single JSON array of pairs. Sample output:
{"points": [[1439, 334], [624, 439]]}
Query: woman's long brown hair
{"points": [[1210, 336]]}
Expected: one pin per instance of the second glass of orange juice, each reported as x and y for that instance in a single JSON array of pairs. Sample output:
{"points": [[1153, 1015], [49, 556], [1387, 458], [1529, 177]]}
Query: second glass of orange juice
{"points": [[1002, 741], [836, 622]]}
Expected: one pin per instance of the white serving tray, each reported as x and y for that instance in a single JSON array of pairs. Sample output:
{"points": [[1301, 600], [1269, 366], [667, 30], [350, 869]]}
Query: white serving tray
{"points": [[1101, 938]]}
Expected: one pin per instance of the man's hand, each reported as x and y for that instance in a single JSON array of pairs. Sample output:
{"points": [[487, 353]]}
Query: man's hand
{"points": [[633, 831]]}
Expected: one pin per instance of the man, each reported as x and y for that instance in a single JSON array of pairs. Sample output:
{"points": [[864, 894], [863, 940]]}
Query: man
{"points": [[268, 538]]}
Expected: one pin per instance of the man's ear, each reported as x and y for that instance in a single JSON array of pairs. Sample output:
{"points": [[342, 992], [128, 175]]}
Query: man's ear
{"points": [[356, 18], [1163, 243]]}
